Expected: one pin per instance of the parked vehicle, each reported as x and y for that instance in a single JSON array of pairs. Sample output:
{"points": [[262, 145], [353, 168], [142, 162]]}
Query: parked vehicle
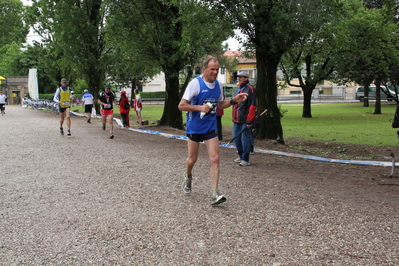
{"points": [[386, 94]]}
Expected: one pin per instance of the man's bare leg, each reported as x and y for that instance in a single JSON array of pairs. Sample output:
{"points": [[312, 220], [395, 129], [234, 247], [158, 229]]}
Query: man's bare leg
{"points": [[104, 121], [111, 126], [68, 118], [192, 148], [213, 148], [62, 116]]}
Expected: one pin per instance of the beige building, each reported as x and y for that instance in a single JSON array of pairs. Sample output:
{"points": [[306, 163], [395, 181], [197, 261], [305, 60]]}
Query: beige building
{"points": [[324, 89], [15, 88]]}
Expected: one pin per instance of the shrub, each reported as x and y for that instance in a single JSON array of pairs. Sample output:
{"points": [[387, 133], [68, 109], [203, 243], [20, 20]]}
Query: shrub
{"points": [[153, 94]]}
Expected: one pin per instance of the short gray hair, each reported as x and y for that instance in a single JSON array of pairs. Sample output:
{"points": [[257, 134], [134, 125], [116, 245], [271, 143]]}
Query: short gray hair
{"points": [[209, 59]]}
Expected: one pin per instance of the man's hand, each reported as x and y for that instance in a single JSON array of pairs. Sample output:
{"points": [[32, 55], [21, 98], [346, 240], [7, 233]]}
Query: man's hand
{"points": [[206, 107], [240, 97]]}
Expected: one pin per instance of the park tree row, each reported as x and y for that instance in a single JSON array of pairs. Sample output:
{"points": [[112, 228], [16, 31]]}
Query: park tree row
{"points": [[89, 41]]}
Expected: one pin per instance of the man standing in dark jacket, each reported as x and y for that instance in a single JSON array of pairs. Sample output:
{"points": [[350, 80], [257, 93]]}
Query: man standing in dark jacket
{"points": [[244, 114]]}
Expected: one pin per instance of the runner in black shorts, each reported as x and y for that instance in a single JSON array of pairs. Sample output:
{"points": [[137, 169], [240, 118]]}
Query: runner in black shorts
{"points": [[63, 97], [3, 100], [201, 99], [202, 137], [88, 103]]}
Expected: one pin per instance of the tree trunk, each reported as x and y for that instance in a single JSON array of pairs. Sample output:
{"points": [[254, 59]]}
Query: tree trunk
{"points": [[266, 91], [307, 99], [308, 89], [186, 82], [366, 94], [377, 108], [95, 87], [172, 116]]}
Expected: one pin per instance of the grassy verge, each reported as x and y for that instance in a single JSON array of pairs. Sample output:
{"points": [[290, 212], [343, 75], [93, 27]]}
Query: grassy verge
{"points": [[349, 123]]}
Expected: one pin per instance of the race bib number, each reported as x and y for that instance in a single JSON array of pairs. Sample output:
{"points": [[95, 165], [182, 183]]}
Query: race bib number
{"points": [[65, 103], [107, 106]]}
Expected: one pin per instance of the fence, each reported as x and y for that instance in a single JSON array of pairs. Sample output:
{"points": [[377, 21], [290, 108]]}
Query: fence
{"points": [[42, 104]]}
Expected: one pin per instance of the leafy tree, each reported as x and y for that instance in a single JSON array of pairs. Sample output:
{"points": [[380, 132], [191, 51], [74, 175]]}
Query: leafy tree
{"points": [[13, 34], [368, 50], [391, 11], [8, 53], [310, 59], [128, 68], [271, 28], [33, 57], [74, 31], [13, 29], [170, 35]]}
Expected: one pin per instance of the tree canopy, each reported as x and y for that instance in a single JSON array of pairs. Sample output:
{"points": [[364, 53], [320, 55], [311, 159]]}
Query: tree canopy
{"points": [[309, 61], [271, 28], [13, 28], [169, 35], [123, 40], [13, 34], [368, 47], [74, 32]]}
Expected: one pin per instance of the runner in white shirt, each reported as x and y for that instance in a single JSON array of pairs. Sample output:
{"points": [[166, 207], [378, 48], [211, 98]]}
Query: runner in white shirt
{"points": [[87, 103], [3, 101]]}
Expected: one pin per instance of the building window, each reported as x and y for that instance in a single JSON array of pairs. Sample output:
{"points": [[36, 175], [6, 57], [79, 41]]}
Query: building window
{"points": [[223, 71]]}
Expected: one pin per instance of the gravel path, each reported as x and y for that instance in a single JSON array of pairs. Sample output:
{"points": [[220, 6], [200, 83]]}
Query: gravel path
{"points": [[89, 200]]}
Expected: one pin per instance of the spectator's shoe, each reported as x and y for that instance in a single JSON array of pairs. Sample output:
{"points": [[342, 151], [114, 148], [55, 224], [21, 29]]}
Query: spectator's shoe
{"points": [[252, 153], [244, 163], [69, 132], [186, 185], [112, 136], [103, 126], [217, 198], [61, 131], [238, 160]]}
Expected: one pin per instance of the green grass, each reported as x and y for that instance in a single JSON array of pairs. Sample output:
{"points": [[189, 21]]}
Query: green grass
{"points": [[349, 123]]}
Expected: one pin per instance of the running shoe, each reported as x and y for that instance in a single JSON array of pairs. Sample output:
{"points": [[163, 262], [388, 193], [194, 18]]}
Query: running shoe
{"points": [[103, 126], [238, 160], [69, 132], [244, 163], [112, 136], [88, 121], [61, 131], [217, 198], [186, 185]]}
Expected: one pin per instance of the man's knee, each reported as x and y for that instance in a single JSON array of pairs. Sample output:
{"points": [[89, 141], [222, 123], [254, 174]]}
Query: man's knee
{"points": [[191, 160], [214, 159]]}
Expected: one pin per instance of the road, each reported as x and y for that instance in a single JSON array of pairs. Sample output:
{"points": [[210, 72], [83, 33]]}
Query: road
{"points": [[90, 200]]}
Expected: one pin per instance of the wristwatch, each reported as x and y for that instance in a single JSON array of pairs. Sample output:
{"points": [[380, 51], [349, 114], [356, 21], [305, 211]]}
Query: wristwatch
{"points": [[233, 102]]}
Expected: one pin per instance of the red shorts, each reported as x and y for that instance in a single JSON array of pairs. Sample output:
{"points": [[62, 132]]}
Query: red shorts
{"points": [[107, 112]]}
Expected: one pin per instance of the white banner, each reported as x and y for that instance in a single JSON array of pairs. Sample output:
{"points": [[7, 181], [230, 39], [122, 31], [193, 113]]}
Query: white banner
{"points": [[33, 86]]}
